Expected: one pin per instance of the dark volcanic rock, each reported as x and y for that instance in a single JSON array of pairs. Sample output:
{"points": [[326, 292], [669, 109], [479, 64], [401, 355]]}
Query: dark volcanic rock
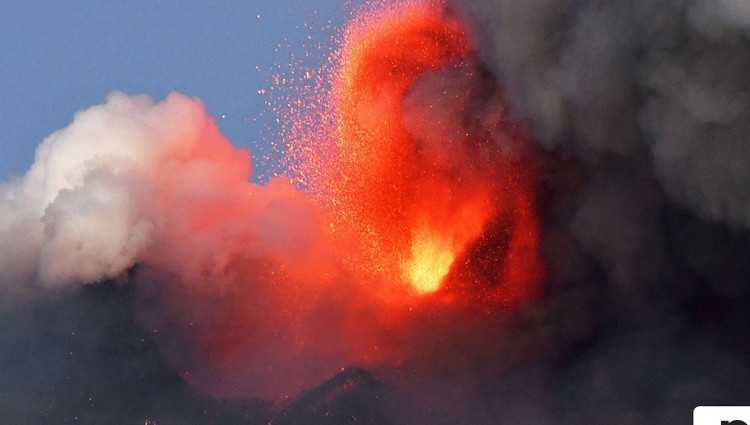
{"points": [[354, 396]]}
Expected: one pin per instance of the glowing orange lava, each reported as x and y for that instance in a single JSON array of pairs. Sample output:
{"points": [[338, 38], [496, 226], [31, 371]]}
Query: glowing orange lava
{"points": [[416, 203], [375, 183], [430, 261]]}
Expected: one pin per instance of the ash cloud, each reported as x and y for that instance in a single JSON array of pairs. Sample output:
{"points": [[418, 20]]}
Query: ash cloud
{"points": [[662, 81], [641, 108]]}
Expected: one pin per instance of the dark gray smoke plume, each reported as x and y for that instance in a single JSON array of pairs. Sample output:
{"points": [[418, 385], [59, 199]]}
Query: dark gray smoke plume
{"points": [[661, 84], [643, 109]]}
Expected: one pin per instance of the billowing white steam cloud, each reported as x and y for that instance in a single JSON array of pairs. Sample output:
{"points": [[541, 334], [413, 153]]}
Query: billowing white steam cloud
{"points": [[75, 215], [122, 179]]}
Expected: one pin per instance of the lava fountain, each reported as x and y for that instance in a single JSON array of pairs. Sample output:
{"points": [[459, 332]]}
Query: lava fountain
{"points": [[417, 186]]}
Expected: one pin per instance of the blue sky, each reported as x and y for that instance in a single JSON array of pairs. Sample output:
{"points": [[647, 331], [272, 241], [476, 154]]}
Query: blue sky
{"points": [[59, 57]]}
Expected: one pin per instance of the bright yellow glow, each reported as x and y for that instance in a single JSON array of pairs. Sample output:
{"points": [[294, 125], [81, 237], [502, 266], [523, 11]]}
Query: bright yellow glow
{"points": [[430, 262]]}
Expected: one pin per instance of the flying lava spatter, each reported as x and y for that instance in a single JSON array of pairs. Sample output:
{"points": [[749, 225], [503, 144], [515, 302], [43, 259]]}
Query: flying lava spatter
{"points": [[417, 202]]}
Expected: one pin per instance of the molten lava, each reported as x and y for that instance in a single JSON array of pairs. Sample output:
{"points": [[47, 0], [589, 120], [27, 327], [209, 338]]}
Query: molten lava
{"points": [[391, 171], [431, 260], [379, 185]]}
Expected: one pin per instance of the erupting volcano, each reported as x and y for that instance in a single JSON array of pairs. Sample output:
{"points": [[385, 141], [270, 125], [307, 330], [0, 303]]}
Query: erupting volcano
{"points": [[472, 212], [415, 213]]}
